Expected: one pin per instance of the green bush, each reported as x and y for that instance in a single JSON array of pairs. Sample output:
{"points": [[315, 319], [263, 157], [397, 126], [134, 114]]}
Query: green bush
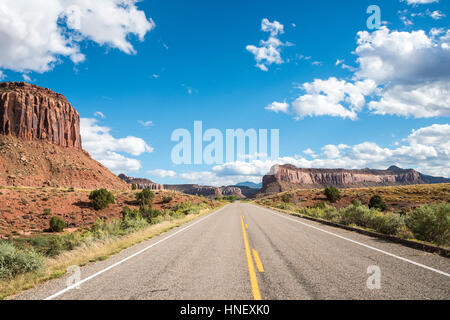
{"points": [[133, 186], [145, 197], [100, 199], [431, 223], [15, 261], [167, 199], [356, 203], [387, 223], [57, 224], [47, 212], [286, 198], [377, 202], [333, 194]]}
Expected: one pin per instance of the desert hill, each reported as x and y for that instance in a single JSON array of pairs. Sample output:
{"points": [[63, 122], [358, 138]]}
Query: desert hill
{"points": [[40, 142]]}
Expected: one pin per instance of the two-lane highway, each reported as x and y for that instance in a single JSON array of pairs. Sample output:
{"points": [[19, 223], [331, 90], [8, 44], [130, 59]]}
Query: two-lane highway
{"points": [[244, 252]]}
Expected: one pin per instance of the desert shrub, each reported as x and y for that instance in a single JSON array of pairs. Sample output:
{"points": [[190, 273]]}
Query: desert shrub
{"points": [[167, 199], [286, 198], [320, 205], [183, 206], [145, 197], [100, 199], [47, 212], [15, 261], [134, 224], [356, 203], [57, 224], [128, 213], [431, 223], [133, 186], [357, 215], [386, 223], [377, 202], [333, 194], [149, 213]]}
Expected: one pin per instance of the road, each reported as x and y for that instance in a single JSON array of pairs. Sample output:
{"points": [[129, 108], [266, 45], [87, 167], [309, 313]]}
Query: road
{"points": [[246, 252]]}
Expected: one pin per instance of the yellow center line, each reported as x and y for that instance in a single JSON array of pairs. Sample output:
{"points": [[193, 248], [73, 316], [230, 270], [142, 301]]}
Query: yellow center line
{"points": [[258, 261], [251, 267]]}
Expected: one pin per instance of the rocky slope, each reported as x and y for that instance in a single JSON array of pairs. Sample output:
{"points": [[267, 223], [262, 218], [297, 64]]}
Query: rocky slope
{"points": [[288, 177], [40, 142]]}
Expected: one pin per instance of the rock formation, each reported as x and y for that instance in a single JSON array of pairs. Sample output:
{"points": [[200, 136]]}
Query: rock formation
{"points": [[40, 142], [32, 113], [141, 183], [193, 189], [287, 177]]}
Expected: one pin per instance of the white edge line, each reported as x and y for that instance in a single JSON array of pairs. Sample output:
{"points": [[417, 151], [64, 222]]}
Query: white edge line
{"points": [[358, 243], [129, 257]]}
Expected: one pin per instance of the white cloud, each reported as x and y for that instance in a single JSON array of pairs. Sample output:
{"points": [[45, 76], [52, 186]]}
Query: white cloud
{"points": [[146, 123], [36, 34], [327, 97], [103, 147], [99, 114], [2, 75], [399, 73], [269, 51], [416, 2], [426, 150], [278, 107], [26, 78], [436, 15], [161, 173]]}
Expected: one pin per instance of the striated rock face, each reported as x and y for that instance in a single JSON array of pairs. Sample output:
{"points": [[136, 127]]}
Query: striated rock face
{"points": [[141, 183], [32, 113], [286, 177]]}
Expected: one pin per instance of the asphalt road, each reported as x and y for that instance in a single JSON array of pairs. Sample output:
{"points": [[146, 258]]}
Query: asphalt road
{"points": [[246, 252]]}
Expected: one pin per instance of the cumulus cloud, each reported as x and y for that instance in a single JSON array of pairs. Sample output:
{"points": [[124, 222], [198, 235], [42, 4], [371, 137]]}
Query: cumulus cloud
{"points": [[333, 97], [161, 173], [105, 148], [2, 75], [398, 73], [269, 51], [36, 34], [278, 107], [426, 149]]}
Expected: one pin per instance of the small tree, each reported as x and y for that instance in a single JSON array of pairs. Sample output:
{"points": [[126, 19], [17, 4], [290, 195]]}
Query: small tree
{"points": [[100, 199], [145, 197], [133, 186], [167, 199], [333, 194], [377, 202], [356, 202], [57, 224]]}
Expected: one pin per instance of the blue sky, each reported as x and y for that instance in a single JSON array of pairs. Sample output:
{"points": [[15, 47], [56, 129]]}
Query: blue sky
{"points": [[193, 63]]}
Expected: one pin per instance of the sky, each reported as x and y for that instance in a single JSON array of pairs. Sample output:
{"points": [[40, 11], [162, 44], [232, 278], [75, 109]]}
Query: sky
{"points": [[341, 93]]}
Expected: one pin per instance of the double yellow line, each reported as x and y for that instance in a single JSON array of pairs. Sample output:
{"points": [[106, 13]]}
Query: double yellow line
{"points": [[251, 267]]}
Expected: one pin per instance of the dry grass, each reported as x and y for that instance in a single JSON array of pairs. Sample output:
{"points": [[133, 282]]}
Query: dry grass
{"points": [[100, 250]]}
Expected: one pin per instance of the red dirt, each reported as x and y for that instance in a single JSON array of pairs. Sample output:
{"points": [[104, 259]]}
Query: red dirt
{"points": [[22, 209]]}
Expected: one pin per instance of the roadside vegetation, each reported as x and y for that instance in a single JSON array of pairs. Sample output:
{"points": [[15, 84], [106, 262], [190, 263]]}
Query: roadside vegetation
{"points": [[227, 198], [429, 223], [25, 261]]}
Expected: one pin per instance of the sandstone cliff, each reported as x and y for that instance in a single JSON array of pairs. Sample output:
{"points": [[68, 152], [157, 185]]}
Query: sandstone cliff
{"points": [[287, 177], [40, 142], [32, 113]]}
